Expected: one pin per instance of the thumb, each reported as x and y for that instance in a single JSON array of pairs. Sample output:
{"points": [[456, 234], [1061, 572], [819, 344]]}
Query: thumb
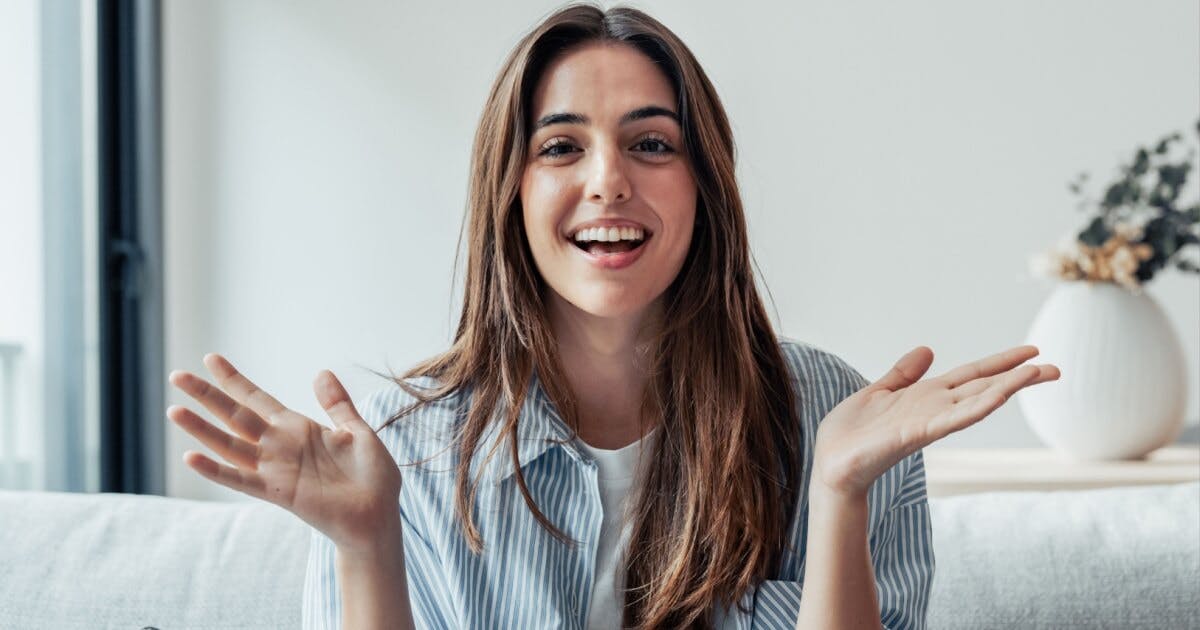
{"points": [[336, 401], [908, 370]]}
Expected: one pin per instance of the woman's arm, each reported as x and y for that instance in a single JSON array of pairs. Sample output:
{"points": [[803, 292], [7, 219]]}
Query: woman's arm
{"points": [[374, 584], [839, 582], [868, 433]]}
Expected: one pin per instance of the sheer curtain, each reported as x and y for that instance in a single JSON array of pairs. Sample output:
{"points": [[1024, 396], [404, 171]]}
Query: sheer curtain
{"points": [[48, 247]]}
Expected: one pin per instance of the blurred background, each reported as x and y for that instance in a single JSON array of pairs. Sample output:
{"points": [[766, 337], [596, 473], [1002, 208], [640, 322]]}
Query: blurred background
{"points": [[284, 182]]}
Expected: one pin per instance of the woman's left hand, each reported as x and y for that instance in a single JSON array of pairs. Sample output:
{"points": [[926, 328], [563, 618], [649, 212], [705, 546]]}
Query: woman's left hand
{"points": [[894, 417]]}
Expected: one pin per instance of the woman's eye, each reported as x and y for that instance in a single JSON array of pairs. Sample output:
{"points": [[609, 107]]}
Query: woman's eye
{"points": [[553, 152], [665, 148], [559, 149]]}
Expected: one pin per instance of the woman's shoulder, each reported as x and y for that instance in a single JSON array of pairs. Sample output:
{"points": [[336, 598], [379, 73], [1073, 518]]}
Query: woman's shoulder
{"points": [[385, 400], [423, 430], [820, 380], [815, 368]]}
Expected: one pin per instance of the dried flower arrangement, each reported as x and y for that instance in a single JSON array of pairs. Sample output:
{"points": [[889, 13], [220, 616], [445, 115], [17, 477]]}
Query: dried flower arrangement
{"points": [[1139, 228]]}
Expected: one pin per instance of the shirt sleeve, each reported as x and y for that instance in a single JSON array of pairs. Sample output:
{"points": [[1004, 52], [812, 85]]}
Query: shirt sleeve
{"points": [[428, 591], [322, 601], [902, 557], [903, 554], [322, 604]]}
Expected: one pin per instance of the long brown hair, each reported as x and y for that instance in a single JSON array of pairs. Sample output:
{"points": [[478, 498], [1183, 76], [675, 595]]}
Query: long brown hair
{"points": [[716, 502]]}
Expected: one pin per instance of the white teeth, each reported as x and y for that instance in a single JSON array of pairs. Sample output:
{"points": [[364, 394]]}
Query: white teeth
{"points": [[610, 234]]}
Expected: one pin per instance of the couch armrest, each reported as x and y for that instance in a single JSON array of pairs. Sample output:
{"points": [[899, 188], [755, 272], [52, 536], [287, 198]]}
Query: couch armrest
{"points": [[129, 561]]}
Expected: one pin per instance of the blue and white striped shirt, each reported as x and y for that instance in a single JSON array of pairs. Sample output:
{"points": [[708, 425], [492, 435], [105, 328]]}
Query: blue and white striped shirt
{"points": [[525, 578]]}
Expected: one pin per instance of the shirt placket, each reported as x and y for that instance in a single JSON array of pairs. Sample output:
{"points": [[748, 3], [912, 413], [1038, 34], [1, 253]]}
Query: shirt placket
{"points": [[592, 517]]}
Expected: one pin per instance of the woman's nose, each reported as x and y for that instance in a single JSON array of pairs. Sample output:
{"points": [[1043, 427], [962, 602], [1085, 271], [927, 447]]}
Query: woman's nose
{"points": [[608, 182]]}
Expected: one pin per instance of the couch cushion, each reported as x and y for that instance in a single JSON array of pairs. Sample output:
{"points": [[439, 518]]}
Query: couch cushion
{"points": [[123, 561], [1110, 558]]}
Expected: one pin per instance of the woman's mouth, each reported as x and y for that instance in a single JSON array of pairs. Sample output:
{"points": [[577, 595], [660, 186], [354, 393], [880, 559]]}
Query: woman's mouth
{"points": [[612, 254]]}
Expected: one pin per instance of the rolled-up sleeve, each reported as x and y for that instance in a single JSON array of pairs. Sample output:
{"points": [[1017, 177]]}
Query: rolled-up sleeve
{"points": [[322, 605], [902, 554], [428, 591], [902, 557]]}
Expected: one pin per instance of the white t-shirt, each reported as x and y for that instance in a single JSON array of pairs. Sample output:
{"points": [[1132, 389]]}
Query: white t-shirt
{"points": [[616, 473]]}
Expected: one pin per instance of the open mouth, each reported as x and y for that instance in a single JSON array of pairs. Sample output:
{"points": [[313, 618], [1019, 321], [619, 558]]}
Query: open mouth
{"points": [[602, 248]]}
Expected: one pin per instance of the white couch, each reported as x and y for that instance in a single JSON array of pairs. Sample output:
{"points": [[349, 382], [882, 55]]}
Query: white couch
{"points": [[1111, 558]]}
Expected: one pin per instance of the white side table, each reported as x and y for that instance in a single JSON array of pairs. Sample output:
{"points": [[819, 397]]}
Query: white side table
{"points": [[951, 471]]}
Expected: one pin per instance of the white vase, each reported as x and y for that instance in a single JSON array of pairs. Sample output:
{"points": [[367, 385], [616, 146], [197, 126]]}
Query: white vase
{"points": [[1122, 392]]}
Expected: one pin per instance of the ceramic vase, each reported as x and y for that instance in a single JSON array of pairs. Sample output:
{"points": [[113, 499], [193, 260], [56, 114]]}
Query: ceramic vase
{"points": [[1123, 388]]}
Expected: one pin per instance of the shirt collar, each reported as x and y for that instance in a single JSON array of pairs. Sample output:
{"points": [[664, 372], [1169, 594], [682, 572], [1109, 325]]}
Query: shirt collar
{"points": [[539, 427]]}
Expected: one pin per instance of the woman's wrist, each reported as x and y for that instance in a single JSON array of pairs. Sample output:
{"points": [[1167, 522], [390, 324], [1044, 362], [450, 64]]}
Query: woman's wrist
{"points": [[384, 538], [828, 497], [834, 485], [374, 583], [839, 587]]}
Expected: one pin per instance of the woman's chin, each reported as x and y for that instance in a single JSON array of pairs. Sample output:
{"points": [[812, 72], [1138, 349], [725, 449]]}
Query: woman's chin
{"points": [[610, 304]]}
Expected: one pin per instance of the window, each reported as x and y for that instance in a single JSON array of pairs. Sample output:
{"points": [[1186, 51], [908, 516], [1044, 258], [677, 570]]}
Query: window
{"points": [[48, 351], [81, 387]]}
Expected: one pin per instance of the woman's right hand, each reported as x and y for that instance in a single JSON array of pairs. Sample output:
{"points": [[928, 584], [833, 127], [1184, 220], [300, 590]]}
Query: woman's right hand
{"points": [[342, 481]]}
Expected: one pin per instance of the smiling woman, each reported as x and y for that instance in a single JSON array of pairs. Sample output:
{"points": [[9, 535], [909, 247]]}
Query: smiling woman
{"points": [[630, 443], [625, 147]]}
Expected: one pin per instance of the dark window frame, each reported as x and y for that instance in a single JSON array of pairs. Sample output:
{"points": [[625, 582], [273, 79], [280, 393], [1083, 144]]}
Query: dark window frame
{"points": [[132, 384]]}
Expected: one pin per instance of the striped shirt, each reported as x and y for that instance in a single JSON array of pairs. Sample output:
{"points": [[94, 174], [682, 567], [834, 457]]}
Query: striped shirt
{"points": [[525, 578]]}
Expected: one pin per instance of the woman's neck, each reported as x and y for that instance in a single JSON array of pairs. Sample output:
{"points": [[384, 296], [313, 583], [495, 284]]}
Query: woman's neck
{"points": [[605, 363]]}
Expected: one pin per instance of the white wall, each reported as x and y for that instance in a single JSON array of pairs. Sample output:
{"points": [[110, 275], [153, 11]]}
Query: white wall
{"points": [[899, 162]]}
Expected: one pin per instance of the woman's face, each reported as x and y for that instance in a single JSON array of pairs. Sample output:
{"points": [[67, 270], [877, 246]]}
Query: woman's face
{"points": [[606, 152]]}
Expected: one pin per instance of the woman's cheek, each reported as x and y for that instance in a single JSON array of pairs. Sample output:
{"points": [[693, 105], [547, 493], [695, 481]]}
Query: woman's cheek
{"points": [[683, 224], [545, 194]]}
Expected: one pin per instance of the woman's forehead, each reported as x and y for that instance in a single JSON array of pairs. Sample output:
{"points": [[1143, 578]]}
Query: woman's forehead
{"points": [[601, 81]]}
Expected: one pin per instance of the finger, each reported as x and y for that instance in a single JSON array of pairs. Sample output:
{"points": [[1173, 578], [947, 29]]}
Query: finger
{"points": [[241, 419], [1046, 372], [234, 449], [908, 370], [1015, 379], [1001, 389], [989, 366], [242, 481], [972, 409], [336, 401], [240, 387]]}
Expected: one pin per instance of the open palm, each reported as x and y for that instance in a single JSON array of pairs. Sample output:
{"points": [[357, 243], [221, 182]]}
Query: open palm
{"points": [[881, 424], [342, 481]]}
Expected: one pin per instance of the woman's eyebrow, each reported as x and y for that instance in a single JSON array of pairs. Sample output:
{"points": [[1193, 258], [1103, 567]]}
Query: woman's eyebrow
{"points": [[573, 118]]}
